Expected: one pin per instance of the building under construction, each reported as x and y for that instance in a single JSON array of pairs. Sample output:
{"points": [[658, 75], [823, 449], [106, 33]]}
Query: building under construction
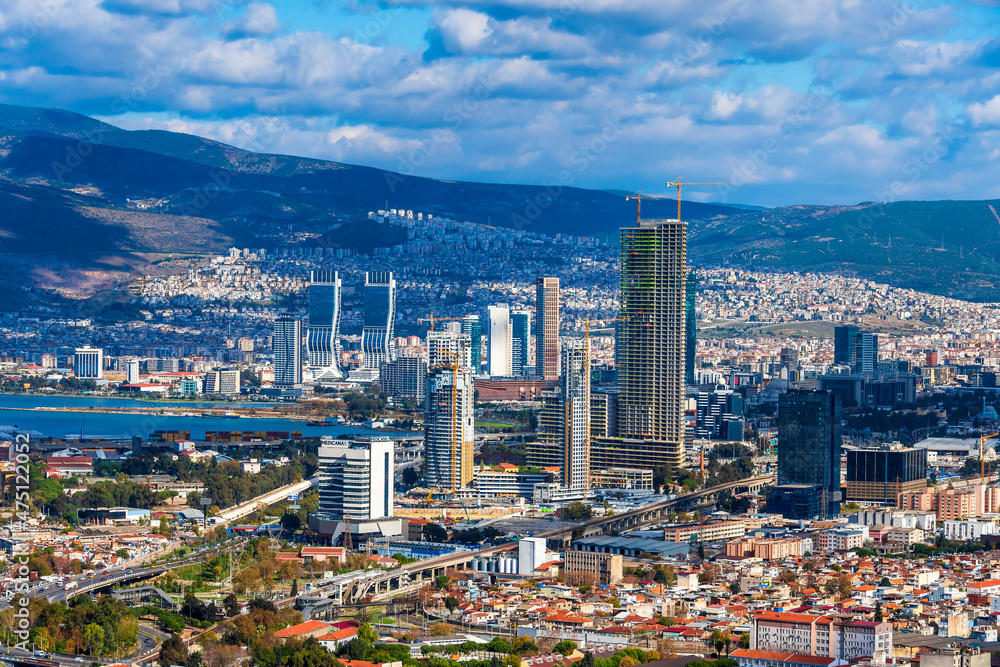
{"points": [[449, 427], [650, 345]]}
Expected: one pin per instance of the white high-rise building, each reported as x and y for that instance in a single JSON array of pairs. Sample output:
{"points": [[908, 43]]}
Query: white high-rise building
{"points": [[287, 346], [449, 426], [323, 333], [356, 478], [576, 424], [132, 371], [445, 347], [88, 363], [500, 345]]}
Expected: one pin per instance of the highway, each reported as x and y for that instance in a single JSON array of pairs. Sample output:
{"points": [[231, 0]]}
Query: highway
{"points": [[634, 516]]}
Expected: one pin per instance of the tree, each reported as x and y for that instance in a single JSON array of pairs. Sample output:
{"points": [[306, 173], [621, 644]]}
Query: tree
{"points": [[668, 648], [451, 603], [878, 612], [734, 587], [442, 581], [231, 605], [440, 630], [128, 631], [701, 551], [844, 587], [435, 532], [576, 511], [173, 651], [627, 661], [93, 637], [566, 647], [295, 588], [885, 583]]}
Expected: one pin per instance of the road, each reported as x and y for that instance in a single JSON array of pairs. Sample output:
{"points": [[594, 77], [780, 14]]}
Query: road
{"points": [[271, 498], [61, 658]]}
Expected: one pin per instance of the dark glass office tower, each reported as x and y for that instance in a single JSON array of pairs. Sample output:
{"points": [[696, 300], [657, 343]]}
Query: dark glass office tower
{"points": [[880, 475], [520, 325], [843, 344], [380, 318], [472, 326], [809, 445], [323, 333]]}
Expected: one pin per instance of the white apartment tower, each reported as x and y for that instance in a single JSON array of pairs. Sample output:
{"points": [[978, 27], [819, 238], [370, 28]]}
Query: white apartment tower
{"points": [[500, 344]]}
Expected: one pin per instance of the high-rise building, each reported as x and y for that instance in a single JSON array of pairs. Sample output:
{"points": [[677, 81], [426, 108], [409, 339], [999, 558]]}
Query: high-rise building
{"points": [[449, 428], [865, 350], [650, 349], [222, 381], [547, 328], [356, 478], [520, 325], [690, 325], [843, 344], [404, 378], [719, 415], [603, 414], [132, 371], [287, 347], [809, 448], [474, 328], [447, 347], [323, 333], [500, 346], [380, 319], [564, 424], [88, 363]]}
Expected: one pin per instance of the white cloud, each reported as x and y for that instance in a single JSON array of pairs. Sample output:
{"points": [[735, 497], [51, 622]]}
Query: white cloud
{"points": [[259, 18], [987, 112], [463, 29], [724, 104]]}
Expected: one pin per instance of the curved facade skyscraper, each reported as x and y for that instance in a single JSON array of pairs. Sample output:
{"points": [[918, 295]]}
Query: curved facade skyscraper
{"points": [[380, 317], [323, 334]]}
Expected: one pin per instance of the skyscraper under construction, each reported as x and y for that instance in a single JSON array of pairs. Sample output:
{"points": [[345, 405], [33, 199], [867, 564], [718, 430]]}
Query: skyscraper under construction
{"points": [[650, 346]]}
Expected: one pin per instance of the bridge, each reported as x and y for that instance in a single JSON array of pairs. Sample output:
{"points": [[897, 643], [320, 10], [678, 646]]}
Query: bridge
{"points": [[146, 594], [355, 586]]}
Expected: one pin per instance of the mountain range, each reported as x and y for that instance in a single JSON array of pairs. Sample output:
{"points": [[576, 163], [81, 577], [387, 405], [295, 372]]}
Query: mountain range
{"points": [[85, 207]]}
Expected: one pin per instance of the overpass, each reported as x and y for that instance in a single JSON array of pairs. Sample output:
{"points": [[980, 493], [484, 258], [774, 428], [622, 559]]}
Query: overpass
{"points": [[355, 586]]}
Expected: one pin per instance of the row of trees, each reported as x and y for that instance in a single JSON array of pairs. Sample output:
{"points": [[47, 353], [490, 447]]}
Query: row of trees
{"points": [[103, 627]]}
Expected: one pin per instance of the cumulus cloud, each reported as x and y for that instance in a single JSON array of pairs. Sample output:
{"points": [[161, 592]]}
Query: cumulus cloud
{"points": [[802, 100], [985, 112], [258, 19]]}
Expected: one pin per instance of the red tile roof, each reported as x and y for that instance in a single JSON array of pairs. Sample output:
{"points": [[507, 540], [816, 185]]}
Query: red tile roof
{"points": [[301, 629]]}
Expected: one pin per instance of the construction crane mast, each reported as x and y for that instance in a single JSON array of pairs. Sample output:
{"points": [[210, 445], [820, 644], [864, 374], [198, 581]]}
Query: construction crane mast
{"points": [[433, 319], [638, 197], [680, 184]]}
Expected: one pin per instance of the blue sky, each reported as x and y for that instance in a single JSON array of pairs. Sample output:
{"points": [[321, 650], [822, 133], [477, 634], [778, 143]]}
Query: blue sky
{"points": [[785, 101]]}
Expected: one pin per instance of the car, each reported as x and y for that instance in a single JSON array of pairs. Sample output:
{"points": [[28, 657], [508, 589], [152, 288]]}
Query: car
{"points": [[78, 659]]}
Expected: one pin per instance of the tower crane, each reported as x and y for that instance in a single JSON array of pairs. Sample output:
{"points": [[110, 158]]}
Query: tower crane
{"points": [[679, 184], [433, 319], [638, 197]]}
